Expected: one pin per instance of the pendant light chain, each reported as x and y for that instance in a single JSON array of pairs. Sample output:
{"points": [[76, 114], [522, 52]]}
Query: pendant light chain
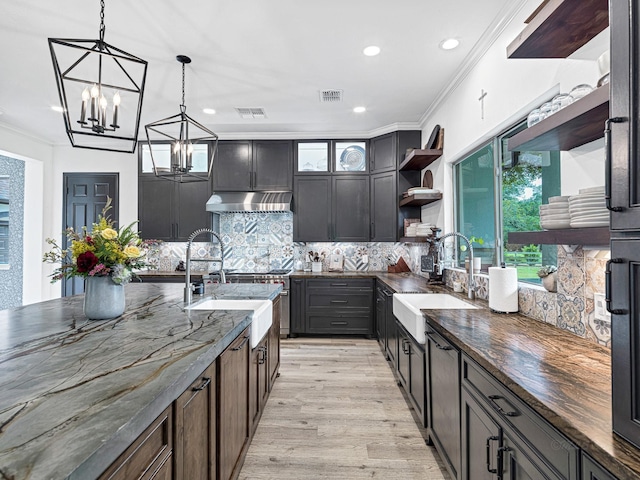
{"points": [[183, 107], [102, 27]]}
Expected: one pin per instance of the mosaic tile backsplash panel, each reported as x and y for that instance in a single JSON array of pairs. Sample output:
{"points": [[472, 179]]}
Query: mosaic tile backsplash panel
{"points": [[259, 242], [11, 278]]}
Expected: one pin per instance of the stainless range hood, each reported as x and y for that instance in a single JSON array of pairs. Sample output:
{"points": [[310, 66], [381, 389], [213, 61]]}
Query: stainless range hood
{"points": [[249, 202]]}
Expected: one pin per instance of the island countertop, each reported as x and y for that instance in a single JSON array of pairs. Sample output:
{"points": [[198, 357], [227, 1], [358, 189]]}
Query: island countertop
{"points": [[75, 393]]}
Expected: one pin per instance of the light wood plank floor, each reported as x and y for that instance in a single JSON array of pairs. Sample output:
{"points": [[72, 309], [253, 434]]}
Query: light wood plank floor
{"points": [[336, 412]]}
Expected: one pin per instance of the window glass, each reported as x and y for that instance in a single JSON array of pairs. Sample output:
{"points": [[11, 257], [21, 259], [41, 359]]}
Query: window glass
{"points": [[162, 156], [529, 178], [475, 202], [350, 157], [313, 157]]}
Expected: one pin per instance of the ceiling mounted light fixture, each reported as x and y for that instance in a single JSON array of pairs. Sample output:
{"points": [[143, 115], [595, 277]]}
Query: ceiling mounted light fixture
{"points": [[371, 51], [449, 44], [359, 109], [100, 89], [181, 149]]}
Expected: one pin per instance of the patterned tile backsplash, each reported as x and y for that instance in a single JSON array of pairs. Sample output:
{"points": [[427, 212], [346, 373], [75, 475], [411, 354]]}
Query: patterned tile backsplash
{"points": [[259, 242]]}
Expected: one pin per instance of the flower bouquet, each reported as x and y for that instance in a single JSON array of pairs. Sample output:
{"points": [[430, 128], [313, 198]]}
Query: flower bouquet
{"points": [[104, 255]]}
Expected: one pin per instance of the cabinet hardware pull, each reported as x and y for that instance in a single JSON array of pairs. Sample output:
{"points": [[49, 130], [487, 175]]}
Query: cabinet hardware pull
{"points": [[239, 347], [255, 179], [339, 301], [513, 413], [388, 293], [339, 323], [339, 285], [488, 445], [406, 350], [205, 381], [607, 288], [501, 451], [441, 347], [607, 161], [262, 355]]}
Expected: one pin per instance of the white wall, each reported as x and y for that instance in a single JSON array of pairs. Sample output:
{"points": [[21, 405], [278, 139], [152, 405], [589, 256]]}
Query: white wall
{"points": [[514, 87]]}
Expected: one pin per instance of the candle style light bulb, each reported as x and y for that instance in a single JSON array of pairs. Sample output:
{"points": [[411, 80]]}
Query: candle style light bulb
{"points": [[83, 110], [94, 103], [116, 109], [103, 110]]}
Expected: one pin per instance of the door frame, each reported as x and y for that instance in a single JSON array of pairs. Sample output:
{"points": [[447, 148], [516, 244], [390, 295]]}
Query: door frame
{"points": [[66, 176]]}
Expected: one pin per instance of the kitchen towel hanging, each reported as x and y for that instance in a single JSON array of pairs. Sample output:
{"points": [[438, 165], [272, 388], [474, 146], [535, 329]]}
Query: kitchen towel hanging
{"points": [[503, 289]]}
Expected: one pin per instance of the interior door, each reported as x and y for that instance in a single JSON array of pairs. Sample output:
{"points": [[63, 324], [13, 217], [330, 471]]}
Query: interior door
{"points": [[85, 195]]}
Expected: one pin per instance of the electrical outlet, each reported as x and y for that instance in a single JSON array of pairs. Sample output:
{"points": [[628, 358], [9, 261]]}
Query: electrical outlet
{"points": [[599, 308], [365, 259]]}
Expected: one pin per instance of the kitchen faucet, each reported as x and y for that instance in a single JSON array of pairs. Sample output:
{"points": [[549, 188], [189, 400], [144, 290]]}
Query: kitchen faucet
{"points": [[187, 278], [470, 282]]}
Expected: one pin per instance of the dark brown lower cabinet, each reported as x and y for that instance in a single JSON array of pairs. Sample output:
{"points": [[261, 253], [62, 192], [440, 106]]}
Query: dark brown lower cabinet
{"points": [[258, 382], [273, 347], [150, 456], [195, 428], [592, 470], [443, 390], [233, 410], [481, 441]]}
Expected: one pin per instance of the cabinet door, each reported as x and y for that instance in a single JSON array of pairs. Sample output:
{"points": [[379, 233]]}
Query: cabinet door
{"points": [[272, 165], [232, 170], [384, 207], [156, 198], [258, 382], [518, 466], [404, 350], [392, 336], [233, 419], [380, 318], [312, 209], [443, 380], [350, 208], [417, 379], [624, 283], [297, 293], [383, 153], [274, 343], [481, 440], [191, 212], [624, 147], [195, 428], [591, 470]]}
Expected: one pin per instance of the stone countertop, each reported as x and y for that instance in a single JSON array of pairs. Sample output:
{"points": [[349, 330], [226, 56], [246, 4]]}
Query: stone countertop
{"points": [[75, 393], [565, 378]]}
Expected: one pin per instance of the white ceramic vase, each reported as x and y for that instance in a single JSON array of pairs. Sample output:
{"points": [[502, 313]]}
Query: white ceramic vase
{"points": [[550, 282], [103, 299], [316, 267]]}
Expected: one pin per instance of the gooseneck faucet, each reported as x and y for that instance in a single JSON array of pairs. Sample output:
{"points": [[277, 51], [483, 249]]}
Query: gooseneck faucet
{"points": [[187, 278], [470, 282]]}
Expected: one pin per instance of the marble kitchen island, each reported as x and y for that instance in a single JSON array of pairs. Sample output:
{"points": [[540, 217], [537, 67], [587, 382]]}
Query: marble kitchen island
{"points": [[74, 394]]}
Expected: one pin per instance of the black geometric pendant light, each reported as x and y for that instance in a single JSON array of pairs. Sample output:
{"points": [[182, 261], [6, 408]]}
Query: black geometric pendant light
{"points": [[181, 149], [101, 89]]}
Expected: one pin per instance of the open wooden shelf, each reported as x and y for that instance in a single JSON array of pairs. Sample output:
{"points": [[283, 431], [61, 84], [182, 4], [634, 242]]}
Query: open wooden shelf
{"points": [[419, 159], [420, 199], [596, 236], [576, 124], [560, 28]]}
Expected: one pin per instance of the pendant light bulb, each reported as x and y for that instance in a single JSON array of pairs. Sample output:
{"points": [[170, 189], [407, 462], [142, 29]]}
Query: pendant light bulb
{"points": [[116, 98], [94, 91], [86, 95]]}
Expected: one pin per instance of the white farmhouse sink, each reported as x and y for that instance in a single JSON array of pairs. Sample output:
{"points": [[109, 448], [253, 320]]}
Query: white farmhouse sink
{"points": [[262, 316], [407, 306]]}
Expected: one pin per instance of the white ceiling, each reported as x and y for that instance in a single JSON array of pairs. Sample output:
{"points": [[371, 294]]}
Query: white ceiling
{"points": [[275, 54]]}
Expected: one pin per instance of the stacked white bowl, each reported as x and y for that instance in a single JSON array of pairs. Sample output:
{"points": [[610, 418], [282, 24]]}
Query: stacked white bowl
{"points": [[588, 208], [555, 214]]}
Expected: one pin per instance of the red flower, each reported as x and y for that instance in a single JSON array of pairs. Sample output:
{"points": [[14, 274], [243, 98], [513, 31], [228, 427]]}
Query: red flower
{"points": [[89, 240], [86, 261]]}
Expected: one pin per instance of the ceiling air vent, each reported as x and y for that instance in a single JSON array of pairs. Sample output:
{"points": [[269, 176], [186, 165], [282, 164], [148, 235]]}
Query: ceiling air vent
{"points": [[251, 112], [330, 96]]}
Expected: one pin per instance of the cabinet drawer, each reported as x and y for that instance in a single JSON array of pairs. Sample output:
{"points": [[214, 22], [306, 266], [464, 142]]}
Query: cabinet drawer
{"points": [[328, 298], [339, 323], [555, 449], [337, 283]]}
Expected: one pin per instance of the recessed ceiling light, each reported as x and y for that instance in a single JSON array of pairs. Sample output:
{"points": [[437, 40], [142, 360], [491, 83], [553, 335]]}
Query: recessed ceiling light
{"points": [[57, 108], [209, 111], [449, 43], [371, 51], [359, 109]]}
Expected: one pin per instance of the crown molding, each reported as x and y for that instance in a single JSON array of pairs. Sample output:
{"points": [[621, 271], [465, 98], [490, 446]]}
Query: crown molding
{"points": [[490, 36]]}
